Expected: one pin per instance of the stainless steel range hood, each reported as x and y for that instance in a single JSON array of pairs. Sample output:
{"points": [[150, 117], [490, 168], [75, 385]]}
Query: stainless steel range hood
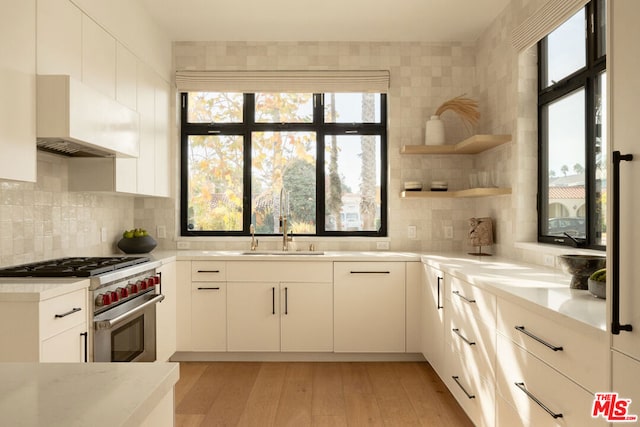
{"points": [[75, 120]]}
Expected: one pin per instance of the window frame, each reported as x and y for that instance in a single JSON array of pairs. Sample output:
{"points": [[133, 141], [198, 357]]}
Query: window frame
{"points": [[321, 130], [584, 78]]}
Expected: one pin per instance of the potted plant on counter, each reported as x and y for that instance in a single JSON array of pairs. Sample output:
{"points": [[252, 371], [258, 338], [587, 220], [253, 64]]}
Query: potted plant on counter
{"points": [[598, 283]]}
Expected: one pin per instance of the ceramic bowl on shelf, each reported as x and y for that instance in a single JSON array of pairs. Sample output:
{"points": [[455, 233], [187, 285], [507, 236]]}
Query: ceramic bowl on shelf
{"points": [[581, 267], [412, 186], [137, 245]]}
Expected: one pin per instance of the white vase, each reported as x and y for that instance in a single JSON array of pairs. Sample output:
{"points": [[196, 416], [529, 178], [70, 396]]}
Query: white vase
{"points": [[434, 131]]}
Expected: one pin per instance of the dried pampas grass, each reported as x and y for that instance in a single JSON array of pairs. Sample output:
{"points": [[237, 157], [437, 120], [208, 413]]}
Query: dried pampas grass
{"points": [[466, 108]]}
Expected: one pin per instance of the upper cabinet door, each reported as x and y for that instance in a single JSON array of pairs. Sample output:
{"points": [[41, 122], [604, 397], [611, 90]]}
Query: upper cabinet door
{"points": [[18, 89], [126, 77], [98, 58], [59, 34]]}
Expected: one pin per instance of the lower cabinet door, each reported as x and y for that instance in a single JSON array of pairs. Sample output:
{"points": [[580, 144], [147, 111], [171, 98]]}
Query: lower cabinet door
{"points": [[540, 395], [253, 316], [306, 313], [67, 346], [208, 316]]}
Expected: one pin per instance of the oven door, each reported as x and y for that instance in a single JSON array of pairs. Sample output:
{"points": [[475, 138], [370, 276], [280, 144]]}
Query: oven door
{"points": [[127, 333]]}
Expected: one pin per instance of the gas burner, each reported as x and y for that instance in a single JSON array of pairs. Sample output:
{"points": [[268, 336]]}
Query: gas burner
{"points": [[72, 267]]}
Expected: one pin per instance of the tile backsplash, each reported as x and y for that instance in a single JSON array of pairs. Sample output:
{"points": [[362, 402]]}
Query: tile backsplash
{"points": [[43, 220]]}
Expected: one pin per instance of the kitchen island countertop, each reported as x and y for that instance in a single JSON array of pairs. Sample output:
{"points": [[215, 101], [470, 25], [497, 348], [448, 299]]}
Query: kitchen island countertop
{"points": [[82, 394]]}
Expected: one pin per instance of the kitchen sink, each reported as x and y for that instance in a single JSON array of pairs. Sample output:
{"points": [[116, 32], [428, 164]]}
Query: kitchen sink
{"points": [[283, 253]]}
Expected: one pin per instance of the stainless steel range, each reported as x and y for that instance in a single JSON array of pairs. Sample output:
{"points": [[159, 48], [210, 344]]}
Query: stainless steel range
{"points": [[123, 294]]}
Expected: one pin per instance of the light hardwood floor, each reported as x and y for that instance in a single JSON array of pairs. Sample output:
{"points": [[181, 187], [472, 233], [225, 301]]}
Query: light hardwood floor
{"points": [[313, 394]]}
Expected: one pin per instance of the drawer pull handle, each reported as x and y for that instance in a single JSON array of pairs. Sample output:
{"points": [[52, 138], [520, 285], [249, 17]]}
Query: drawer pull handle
{"points": [[208, 271], [370, 272], [208, 289], [286, 300], [540, 340], [456, 379], [85, 337], [73, 310], [470, 301], [273, 300], [438, 306], [522, 387], [457, 332]]}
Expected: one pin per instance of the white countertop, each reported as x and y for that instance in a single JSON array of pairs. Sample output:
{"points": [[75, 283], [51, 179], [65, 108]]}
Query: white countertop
{"points": [[38, 289], [298, 256], [82, 394], [547, 289]]}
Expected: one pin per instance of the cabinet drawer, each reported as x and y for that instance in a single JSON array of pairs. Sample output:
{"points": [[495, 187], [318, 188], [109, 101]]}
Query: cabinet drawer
{"points": [[280, 271], [470, 303], [476, 341], [553, 390], [208, 271], [474, 392], [62, 313], [579, 355], [67, 346]]}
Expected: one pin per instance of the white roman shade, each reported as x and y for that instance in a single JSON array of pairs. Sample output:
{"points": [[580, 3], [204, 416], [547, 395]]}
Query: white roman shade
{"points": [[546, 19], [376, 81]]}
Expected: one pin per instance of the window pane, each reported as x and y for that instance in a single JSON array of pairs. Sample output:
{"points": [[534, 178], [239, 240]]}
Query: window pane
{"points": [[600, 218], [601, 35], [566, 49], [289, 159], [215, 107], [284, 107], [566, 161], [353, 176], [352, 108], [215, 183]]}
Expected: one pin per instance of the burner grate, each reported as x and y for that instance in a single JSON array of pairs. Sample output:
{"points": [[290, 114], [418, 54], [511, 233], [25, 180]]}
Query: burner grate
{"points": [[72, 267]]}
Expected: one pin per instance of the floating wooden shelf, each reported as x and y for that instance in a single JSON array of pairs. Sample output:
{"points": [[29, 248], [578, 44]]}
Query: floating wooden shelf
{"points": [[473, 145], [472, 192]]}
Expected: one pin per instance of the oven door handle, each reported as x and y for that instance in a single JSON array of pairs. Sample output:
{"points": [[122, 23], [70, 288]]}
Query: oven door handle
{"points": [[110, 323]]}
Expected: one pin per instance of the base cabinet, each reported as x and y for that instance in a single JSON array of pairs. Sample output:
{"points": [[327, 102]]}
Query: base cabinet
{"points": [[253, 322], [375, 323], [166, 314], [625, 374], [306, 317], [432, 317], [209, 316], [51, 330]]}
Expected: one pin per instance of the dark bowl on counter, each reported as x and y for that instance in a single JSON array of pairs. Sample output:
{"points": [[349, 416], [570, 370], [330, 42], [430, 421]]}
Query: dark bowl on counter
{"points": [[581, 267], [137, 245]]}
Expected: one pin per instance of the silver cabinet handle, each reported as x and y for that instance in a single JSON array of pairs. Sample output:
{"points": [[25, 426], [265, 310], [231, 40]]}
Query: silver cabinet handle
{"points": [[456, 379], [73, 310], [522, 387], [457, 332], [540, 340], [457, 293]]}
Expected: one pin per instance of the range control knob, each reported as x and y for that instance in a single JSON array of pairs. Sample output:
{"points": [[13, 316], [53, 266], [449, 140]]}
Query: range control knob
{"points": [[150, 282], [156, 279], [114, 296], [103, 300], [122, 292], [132, 288], [142, 285]]}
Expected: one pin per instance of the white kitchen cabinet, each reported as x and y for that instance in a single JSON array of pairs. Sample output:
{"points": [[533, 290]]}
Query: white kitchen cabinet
{"points": [[18, 88], [126, 77], [146, 108], [560, 345], [253, 316], [166, 313], [432, 317], [207, 317], [413, 285], [470, 348], [369, 307], [59, 35], [50, 330], [162, 148], [98, 58], [537, 394], [623, 62], [183, 305], [625, 374], [306, 317]]}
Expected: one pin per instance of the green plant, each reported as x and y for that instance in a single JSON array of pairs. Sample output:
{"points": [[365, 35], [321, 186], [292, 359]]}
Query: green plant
{"points": [[599, 275]]}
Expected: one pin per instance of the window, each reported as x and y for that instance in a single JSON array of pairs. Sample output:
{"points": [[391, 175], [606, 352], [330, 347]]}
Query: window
{"points": [[327, 151], [572, 131]]}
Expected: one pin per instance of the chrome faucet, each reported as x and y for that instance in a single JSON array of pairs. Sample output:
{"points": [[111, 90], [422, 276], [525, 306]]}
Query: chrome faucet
{"points": [[254, 241], [284, 212]]}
